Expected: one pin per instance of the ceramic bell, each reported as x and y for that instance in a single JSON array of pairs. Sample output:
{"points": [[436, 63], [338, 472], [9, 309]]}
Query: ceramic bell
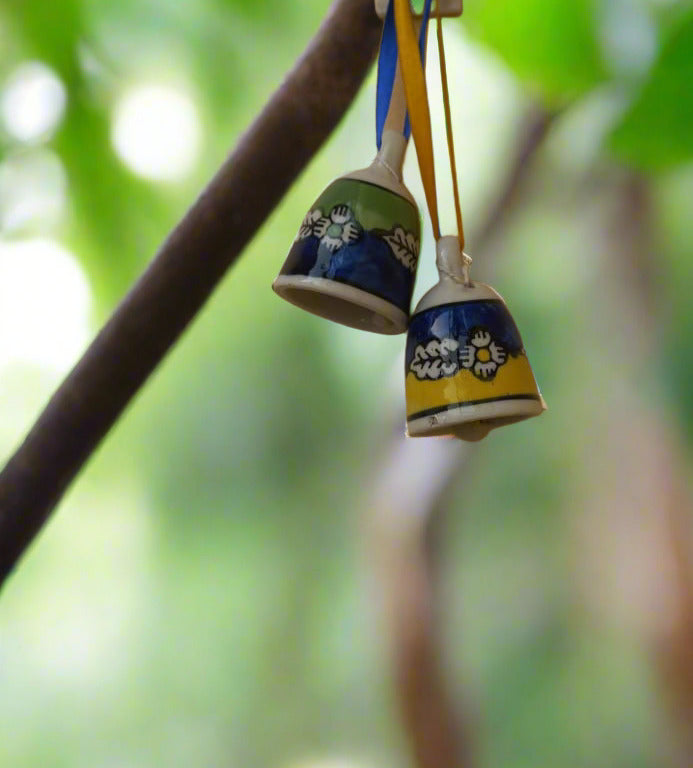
{"points": [[466, 368], [355, 256]]}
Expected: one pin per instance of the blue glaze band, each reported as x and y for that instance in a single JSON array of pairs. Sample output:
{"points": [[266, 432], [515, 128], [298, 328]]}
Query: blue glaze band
{"points": [[366, 264], [457, 321]]}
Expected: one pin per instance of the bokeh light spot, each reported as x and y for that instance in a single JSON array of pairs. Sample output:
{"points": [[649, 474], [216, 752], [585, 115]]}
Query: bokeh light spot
{"points": [[44, 304], [156, 132], [32, 102], [33, 191]]}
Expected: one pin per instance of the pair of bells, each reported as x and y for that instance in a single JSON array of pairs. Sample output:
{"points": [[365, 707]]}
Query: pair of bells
{"points": [[354, 261]]}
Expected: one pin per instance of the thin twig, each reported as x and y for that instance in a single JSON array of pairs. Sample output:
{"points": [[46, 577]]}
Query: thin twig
{"points": [[408, 493], [633, 242], [268, 158], [535, 126], [674, 646]]}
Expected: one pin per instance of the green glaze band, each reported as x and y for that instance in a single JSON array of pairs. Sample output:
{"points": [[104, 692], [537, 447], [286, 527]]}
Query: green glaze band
{"points": [[373, 206]]}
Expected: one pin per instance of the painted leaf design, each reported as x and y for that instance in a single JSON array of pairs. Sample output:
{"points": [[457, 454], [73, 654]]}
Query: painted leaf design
{"points": [[404, 246], [435, 360]]}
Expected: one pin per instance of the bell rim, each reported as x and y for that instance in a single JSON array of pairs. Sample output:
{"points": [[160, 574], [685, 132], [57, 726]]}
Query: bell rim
{"points": [[288, 287], [490, 413]]}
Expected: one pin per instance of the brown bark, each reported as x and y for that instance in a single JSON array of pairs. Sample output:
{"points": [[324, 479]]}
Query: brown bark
{"points": [[267, 159]]}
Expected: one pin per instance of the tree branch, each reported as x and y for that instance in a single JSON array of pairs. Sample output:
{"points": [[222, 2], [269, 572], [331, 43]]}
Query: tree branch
{"points": [[268, 158], [536, 125], [409, 492]]}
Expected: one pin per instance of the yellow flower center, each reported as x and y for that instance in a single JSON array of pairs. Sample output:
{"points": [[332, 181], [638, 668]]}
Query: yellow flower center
{"points": [[483, 355]]}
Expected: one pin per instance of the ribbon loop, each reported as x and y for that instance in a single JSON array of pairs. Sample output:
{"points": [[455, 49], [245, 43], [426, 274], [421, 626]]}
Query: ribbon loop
{"points": [[417, 102], [387, 70], [414, 78]]}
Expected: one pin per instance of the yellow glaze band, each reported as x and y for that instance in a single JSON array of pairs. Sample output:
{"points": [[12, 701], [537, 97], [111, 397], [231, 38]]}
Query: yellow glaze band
{"points": [[513, 379]]}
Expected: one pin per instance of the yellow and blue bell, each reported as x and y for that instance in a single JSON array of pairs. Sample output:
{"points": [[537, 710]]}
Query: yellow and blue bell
{"points": [[466, 368], [355, 256]]}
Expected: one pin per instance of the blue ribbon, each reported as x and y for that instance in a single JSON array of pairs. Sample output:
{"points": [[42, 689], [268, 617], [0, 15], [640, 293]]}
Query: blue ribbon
{"points": [[387, 68]]}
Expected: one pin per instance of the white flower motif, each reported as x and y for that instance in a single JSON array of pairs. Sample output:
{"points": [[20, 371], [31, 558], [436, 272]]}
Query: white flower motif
{"points": [[484, 355], [435, 360], [340, 229], [404, 246], [314, 223]]}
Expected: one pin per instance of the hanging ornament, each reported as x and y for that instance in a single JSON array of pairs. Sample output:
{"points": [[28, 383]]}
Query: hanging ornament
{"points": [[355, 256], [466, 370]]}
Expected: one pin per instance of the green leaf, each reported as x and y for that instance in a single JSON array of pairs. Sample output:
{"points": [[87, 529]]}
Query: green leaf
{"points": [[550, 45], [655, 133]]}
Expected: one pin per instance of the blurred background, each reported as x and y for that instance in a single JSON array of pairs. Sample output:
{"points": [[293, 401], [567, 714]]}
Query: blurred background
{"points": [[218, 587]]}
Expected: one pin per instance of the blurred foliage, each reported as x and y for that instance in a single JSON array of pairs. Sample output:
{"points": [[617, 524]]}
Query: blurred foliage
{"points": [[654, 132], [551, 46], [50, 32], [204, 595]]}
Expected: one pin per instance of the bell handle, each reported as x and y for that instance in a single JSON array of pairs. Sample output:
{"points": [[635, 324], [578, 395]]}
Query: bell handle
{"points": [[451, 261]]}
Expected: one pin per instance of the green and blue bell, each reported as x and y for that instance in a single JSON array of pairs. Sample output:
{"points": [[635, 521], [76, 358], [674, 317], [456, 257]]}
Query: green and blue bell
{"points": [[355, 256]]}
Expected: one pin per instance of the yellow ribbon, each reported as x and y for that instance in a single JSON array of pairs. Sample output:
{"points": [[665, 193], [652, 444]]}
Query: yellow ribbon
{"points": [[419, 112], [417, 102], [448, 130]]}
